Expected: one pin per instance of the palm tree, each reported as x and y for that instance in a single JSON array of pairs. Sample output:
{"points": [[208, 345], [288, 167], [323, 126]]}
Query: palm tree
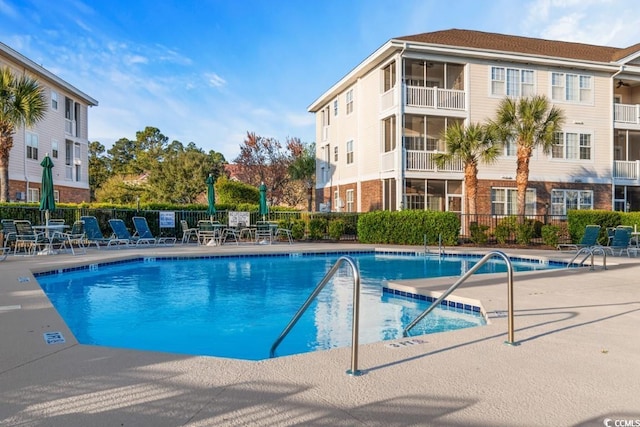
{"points": [[471, 145], [530, 122], [22, 103]]}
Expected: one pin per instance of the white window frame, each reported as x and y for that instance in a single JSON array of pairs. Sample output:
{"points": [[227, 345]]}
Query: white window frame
{"points": [[335, 107], [31, 145], [350, 201], [349, 152], [335, 154], [509, 201], [54, 100], [564, 199], [389, 74], [33, 195], [55, 149], [512, 82], [349, 101], [573, 146], [389, 125], [571, 87]]}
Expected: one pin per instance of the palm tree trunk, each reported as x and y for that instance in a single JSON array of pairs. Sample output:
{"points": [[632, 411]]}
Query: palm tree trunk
{"points": [[471, 181], [6, 142], [522, 179]]}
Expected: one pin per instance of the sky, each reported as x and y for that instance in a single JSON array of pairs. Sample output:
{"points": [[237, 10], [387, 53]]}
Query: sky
{"points": [[209, 71]]}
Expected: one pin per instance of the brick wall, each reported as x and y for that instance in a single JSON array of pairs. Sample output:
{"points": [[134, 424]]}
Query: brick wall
{"points": [[66, 194]]}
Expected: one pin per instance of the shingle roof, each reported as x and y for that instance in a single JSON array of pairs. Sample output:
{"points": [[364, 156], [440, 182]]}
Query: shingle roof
{"points": [[526, 45]]}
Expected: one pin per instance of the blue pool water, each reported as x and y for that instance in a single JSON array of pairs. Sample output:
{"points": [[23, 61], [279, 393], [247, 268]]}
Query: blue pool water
{"points": [[237, 306]]}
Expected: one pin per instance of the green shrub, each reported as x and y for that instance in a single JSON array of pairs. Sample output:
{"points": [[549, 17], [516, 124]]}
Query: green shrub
{"points": [[506, 230], [525, 232], [409, 227], [336, 228], [479, 234], [550, 235], [297, 229], [317, 228]]}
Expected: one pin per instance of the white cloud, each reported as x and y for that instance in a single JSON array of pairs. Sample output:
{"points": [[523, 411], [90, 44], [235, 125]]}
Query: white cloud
{"points": [[7, 10], [215, 80]]}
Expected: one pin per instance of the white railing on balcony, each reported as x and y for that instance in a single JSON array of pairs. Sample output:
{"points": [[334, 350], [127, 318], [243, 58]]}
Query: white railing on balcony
{"points": [[626, 113], [433, 97], [388, 99], [423, 161], [69, 127], [626, 169]]}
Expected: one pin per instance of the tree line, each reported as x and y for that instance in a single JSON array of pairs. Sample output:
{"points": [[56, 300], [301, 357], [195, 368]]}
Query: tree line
{"points": [[150, 169]]}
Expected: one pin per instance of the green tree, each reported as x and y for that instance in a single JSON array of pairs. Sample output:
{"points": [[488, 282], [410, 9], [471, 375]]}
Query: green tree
{"points": [[531, 122], [230, 192], [303, 167], [471, 145], [22, 103], [99, 171]]}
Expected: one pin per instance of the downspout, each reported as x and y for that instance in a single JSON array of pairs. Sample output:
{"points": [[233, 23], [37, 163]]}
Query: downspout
{"points": [[612, 158], [24, 163], [400, 126]]}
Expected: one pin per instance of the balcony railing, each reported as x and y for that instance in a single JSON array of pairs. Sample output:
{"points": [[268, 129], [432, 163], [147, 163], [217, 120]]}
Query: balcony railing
{"points": [[626, 169], [626, 113], [423, 161], [437, 98]]}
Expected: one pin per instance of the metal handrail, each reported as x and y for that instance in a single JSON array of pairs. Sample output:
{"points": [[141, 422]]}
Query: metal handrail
{"points": [[453, 287], [590, 252], [356, 311]]}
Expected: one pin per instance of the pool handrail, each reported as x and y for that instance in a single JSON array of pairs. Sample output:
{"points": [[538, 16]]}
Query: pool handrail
{"points": [[483, 260], [590, 251], [356, 311]]}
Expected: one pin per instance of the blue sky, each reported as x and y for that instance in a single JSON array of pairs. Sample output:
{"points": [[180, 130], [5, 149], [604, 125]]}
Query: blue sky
{"points": [[208, 71]]}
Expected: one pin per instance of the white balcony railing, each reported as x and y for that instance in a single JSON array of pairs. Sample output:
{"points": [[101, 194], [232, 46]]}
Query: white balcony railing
{"points": [[423, 161], [626, 113], [626, 169], [433, 97]]}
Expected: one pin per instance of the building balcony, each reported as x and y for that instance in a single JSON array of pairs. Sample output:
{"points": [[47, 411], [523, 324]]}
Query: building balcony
{"points": [[435, 98], [626, 114], [422, 161], [628, 170]]}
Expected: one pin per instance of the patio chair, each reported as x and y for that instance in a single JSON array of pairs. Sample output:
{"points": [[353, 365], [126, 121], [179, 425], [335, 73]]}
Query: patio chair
{"points": [[144, 232], [28, 239], [94, 235], [123, 236], [589, 238], [9, 233], [620, 242], [188, 233], [210, 233], [76, 236], [264, 232], [284, 233]]}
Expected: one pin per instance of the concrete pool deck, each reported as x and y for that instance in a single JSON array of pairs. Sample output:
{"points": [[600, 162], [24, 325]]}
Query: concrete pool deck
{"points": [[577, 362]]}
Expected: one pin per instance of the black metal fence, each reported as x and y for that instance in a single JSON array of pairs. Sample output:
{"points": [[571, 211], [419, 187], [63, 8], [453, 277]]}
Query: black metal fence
{"points": [[488, 223]]}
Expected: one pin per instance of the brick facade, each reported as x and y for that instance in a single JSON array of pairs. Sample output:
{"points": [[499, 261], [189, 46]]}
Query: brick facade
{"points": [[66, 194]]}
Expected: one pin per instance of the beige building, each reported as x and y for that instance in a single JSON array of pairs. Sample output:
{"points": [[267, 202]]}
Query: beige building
{"points": [[379, 126], [63, 134]]}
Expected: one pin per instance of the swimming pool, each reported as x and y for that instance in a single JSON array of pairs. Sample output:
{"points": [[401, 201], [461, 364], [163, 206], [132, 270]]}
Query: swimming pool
{"points": [[236, 306]]}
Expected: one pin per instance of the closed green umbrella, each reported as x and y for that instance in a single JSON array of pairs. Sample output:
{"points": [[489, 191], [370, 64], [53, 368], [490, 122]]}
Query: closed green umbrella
{"points": [[264, 210], [211, 197], [47, 199]]}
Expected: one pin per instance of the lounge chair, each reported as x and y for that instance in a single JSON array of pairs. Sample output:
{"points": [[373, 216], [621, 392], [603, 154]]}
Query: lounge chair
{"points": [[9, 233], [94, 235], [210, 233], [620, 242], [188, 233], [122, 235], [144, 232], [589, 238]]}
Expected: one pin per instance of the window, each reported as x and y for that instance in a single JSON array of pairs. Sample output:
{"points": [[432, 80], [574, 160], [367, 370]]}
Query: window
{"points": [[504, 201], [563, 200], [68, 153], [350, 201], [33, 195], [349, 97], [335, 107], [78, 173], [571, 87], [32, 145], [389, 134], [56, 196], [510, 147], [54, 148], [389, 77], [512, 82], [571, 146], [349, 152], [336, 201], [54, 100], [335, 154]]}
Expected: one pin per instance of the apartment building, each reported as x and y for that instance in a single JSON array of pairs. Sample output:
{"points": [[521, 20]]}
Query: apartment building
{"points": [[378, 127], [63, 134]]}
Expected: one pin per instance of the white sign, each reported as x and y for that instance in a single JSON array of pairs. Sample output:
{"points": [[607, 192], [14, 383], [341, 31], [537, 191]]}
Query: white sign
{"points": [[167, 219], [238, 217], [54, 338]]}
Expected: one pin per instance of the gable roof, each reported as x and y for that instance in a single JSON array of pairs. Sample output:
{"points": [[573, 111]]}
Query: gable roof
{"points": [[525, 45]]}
